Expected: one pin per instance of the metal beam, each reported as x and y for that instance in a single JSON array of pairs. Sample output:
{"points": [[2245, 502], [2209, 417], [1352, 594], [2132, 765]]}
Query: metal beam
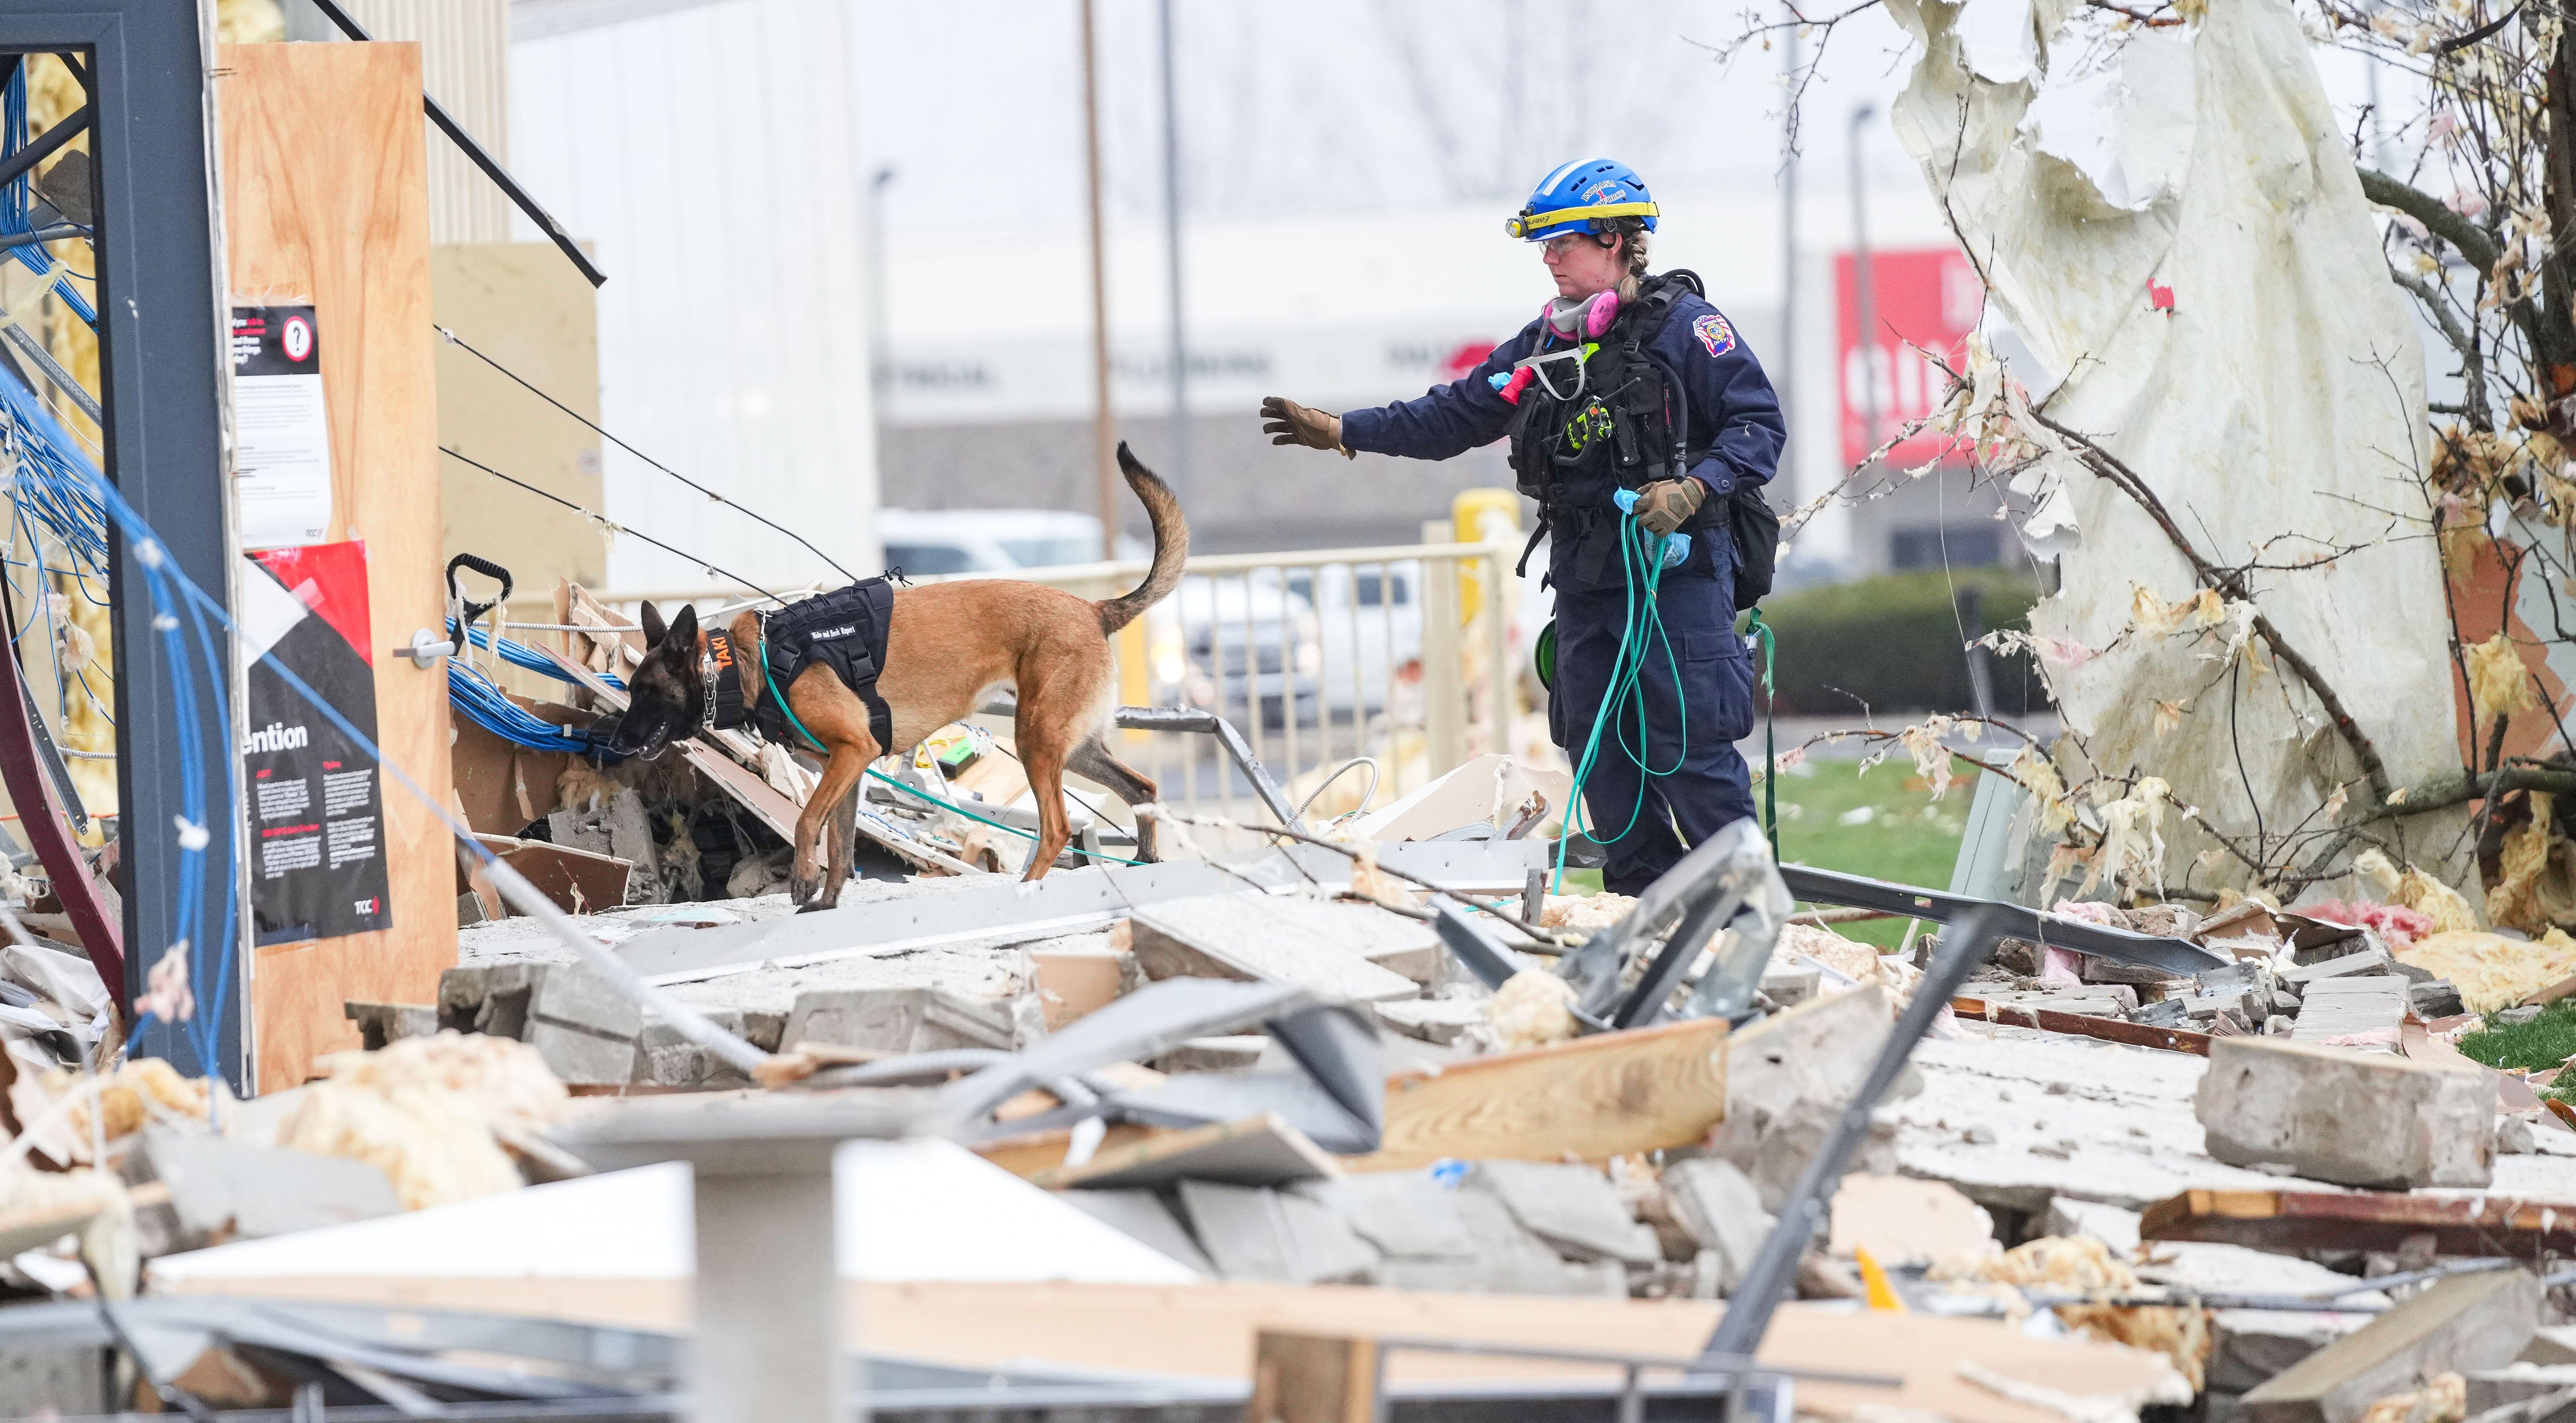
{"points": [[491, 166], [162, 394], [2179, 957]]}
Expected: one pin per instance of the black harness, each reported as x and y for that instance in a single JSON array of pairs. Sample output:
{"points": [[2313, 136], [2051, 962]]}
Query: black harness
{"points": [[844, 630], [1626, 424]]}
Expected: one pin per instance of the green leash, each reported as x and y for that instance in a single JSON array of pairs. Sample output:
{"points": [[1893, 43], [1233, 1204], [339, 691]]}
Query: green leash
{"points": [[817, 742], [1770, 758]]}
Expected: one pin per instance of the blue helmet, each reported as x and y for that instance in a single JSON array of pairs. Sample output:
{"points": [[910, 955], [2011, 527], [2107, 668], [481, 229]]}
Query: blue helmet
{"points": [[1582, 196]]}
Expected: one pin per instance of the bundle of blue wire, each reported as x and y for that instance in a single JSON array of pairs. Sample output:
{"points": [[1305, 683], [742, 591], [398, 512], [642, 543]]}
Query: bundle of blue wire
{"points": [[67, 493], [476, 698], [13, 202]]}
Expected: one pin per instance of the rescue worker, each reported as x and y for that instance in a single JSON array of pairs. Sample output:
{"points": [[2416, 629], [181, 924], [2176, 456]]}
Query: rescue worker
{"points": [[1625, 382]]}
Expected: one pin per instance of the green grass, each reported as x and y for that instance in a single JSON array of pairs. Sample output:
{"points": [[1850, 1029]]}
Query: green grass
{"points": [[2544, 1042], [1909, 837]]}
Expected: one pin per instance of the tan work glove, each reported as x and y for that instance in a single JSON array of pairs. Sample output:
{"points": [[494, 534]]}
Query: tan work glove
{"points": [[1667, 504], [1288, 423]]}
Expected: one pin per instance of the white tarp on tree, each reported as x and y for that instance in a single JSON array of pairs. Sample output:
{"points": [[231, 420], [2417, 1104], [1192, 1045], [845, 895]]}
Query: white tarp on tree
{"points": [[2183, 245]]}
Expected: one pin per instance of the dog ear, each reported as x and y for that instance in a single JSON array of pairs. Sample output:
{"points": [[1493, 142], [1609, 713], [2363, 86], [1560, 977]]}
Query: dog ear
{"points": [[652, 620], [684, 629]]}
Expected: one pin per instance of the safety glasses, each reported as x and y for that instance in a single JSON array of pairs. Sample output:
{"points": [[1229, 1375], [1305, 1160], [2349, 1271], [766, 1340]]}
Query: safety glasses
{"points": [[1538, 365]]}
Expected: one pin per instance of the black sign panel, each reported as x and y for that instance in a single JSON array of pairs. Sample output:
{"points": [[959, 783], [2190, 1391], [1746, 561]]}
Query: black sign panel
{"points": [[314, 798]]}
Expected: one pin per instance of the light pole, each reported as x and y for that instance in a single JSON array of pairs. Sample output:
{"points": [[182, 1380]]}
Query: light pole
{"points": [[1172, 243], [880, 346], [1864, 293], [1785, 384]]}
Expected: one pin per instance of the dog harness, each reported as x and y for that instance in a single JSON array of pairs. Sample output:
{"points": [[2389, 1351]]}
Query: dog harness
{"points": [[844, 630]]}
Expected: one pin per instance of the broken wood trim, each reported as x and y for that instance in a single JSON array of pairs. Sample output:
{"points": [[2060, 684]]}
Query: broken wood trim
{"points": [[1609, 1094], [2364, 1220], [1314, 1378], [2115, 1030]]}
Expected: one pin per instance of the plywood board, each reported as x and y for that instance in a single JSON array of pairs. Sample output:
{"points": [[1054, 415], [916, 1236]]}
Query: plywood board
{"points": [[325, 200], [1606, 1095]]}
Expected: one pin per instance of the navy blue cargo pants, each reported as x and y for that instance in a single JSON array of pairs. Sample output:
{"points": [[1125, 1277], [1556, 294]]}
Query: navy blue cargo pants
{"points": [[1712, 788]]}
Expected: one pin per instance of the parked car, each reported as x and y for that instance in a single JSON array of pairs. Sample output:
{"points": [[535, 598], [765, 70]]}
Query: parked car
{"points": [[926, 543], [1236, 644], [1371, 624]]}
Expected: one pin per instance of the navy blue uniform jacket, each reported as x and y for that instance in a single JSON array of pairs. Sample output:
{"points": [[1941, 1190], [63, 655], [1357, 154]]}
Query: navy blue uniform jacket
{"points": [[1734, 415]]}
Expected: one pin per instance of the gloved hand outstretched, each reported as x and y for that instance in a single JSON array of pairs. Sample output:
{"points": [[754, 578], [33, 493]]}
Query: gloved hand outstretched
{"points": [[1288, 423], [1667, 504]]}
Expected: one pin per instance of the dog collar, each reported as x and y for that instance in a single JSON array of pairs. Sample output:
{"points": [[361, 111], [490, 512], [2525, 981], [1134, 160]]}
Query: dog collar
{"points": [[721, 670]]}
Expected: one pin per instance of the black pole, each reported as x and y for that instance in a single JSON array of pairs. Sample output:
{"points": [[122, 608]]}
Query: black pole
{"points": [[492, 169]]}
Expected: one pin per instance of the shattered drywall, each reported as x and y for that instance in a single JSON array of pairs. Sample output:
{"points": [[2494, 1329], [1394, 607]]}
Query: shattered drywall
{"points": [[2182, 244]]}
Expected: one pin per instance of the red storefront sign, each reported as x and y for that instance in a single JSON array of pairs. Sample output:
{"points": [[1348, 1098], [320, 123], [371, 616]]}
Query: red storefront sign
{"points": [[1928, 298]]}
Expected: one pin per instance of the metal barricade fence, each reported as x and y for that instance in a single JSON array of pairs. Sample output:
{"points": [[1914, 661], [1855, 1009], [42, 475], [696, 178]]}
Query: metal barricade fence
{"points": [[1409, 654]]}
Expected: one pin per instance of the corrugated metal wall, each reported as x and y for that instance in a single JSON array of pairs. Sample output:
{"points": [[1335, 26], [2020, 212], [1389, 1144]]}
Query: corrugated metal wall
{"points": [[464, 56], [711, 154]]}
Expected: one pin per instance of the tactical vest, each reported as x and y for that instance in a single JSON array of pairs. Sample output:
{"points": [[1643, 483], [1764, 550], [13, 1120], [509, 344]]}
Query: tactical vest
{"points": [[1623, 423], [844, 630]]}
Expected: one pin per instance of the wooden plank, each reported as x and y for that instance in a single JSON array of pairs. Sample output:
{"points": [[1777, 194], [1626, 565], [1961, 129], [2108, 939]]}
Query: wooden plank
{"points": [[2115, 1030], [1312, 1378], [578, 881], [326, 200], [1248, 937], [2284, 1221], [1257, 1151], [1607, 1095]]}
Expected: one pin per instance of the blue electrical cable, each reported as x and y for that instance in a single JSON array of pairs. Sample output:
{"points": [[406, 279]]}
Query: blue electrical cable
{"points": [[13, 205]]}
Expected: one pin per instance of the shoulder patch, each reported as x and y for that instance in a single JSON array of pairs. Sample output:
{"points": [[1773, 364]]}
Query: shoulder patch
{"points": [[1714, 333]]}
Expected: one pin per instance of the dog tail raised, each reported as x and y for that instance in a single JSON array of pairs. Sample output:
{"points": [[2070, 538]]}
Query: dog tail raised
{"points": [[1171, 546]]}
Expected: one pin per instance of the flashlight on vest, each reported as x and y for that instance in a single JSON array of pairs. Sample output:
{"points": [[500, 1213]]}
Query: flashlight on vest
{"points": [[1676, 544]]}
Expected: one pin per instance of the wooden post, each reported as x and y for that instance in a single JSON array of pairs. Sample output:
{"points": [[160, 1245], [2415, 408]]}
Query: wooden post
{"points": [[1104, 437], [326, 200], [1312, 1378], [1444, 692]]}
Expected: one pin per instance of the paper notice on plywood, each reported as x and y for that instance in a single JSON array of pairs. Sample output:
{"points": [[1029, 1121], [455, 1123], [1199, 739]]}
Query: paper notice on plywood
{"points": [[281, 428]]}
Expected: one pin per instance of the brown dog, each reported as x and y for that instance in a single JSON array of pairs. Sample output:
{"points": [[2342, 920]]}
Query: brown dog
{"points": [[949, 646]]}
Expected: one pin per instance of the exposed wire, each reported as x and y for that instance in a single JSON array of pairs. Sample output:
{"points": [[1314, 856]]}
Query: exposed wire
{"points": [[754, 515], [604, 522]]}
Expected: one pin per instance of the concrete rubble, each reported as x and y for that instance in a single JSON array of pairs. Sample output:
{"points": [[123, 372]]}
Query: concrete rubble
{"points": [[2071, 1151]]}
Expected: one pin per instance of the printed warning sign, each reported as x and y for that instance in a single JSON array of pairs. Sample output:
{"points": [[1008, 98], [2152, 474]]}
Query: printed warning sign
{"points": [[315, 802]]}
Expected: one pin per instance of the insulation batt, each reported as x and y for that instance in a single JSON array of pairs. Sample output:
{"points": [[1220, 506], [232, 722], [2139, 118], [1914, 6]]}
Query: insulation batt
{"points": [[2490, 970], [2059, 1263], [425, 1111], [2184, 247], [1532, 1009]]}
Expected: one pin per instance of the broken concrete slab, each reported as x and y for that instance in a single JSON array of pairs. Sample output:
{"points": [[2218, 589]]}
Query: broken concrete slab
{"points": [[2369, 961], [1230, 1052], [665, 1057], [1254, 937], [582, 1024], [1144, 1217], [898, 1020], [1508, 1259], [2362, 1012], [1787, 1078], [2351, 1118], [1432, 1020], [1402, 1213], [1573, 1208], [222, 1190], [2463, 1322], [1251, 1233], [1722, 1209], [1902, 1221]]}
